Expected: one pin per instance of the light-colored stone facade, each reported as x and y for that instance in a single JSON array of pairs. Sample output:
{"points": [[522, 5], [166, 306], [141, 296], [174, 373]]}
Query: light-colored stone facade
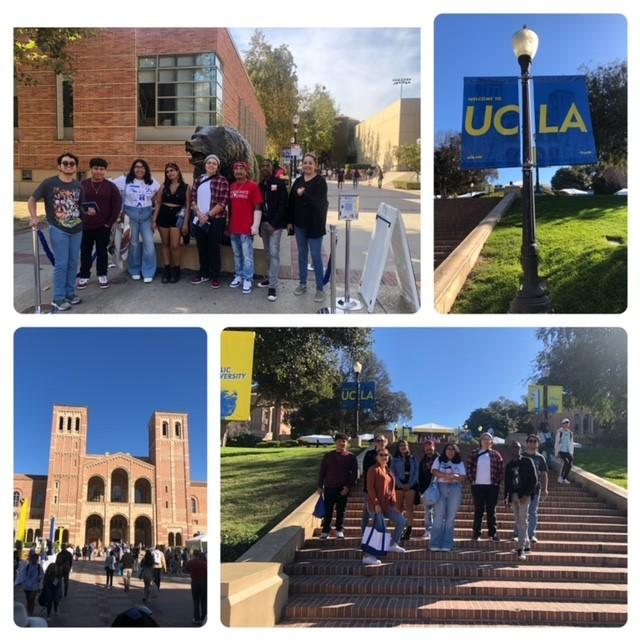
{"points": [[115, 496]]}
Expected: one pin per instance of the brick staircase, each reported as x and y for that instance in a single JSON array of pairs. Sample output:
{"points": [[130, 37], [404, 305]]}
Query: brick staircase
{"points": [[576, 575]]}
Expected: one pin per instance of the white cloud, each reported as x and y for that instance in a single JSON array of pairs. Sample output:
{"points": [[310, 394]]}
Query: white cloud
{"points": [[355, 65]]}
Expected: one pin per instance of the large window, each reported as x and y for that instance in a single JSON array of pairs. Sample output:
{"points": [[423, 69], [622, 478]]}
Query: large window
{"points": [[182, 90]]}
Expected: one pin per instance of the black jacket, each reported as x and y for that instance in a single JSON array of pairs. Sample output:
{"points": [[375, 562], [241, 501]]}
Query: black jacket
{"points": [[368, 461], [521, 477], [424, 473], [309, 211], [274, 209]]}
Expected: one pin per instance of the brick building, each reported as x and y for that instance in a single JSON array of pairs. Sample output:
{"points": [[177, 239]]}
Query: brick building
{"points": [[115, 496], [134, 93]]}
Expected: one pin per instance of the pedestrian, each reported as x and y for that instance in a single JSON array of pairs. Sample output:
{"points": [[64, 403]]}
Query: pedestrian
{"points": [[171, 219], [485, 468], [449, 474], [424, 480], [64, 560], [547, 443], [51, 589], [110, 567], [564, 449], [147, 570], [542, 487], [274, 216], [197, 569], [78, 552], [209, 200], [355, 178], [127, 568], [520, 482], [338, 475], [380, 177], [381, 496], [62, 195], [245, 202], [139, 190], [159, 566], [307, 218], [340, 176], [380, 444], [404, 467], [30, 578], [101, 207], [369, 176]]}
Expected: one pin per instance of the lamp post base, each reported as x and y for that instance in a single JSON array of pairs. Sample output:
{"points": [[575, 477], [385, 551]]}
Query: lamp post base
{"points": [[531, 302]]}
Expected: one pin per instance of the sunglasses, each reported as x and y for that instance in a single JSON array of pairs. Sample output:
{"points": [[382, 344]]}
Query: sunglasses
{"points": [[379, 440], [383, 455], [68, 163]]}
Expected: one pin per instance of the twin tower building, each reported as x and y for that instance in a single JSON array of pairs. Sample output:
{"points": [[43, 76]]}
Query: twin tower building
{"points": [[114, 497]]}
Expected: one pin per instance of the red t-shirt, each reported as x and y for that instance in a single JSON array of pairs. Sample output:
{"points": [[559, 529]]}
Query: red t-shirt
{"points": [[244, 198]]}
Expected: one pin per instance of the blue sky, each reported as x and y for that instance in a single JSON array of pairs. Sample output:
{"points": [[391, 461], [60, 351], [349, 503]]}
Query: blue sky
{"points": [[355, 65], [122, 375], [480, 45], [447, 373]]}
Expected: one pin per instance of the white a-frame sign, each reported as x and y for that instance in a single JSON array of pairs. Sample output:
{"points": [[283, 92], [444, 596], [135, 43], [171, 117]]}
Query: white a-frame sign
{"points": [[389, 232]]}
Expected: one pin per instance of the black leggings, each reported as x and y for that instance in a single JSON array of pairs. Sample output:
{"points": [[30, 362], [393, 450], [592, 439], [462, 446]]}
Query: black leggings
{"points": [[567, 463]]}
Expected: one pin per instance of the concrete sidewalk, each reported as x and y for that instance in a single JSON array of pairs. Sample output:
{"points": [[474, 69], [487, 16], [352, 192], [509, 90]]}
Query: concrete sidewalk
{"points": [[128, 296]]}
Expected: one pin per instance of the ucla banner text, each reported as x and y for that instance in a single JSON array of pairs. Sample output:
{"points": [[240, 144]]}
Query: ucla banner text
{"points": [[236, 372]]}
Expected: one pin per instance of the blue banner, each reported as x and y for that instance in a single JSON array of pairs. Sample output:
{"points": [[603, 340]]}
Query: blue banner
{"points": [[367, 395], [490, 123], [564, 135]]}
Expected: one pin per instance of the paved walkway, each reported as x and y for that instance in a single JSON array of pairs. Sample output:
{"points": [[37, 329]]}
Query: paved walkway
{"points": [[90, 604], [127, 296]]}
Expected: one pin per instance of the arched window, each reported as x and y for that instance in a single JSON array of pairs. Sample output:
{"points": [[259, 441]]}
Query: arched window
{"points": [[78, 425], [177, 427], [194, 505], [119, 486], [29, 535], [61, 423], [178, 539], [171, 540], [16, 498], [165, 429], [142, 491], [69, 423]]}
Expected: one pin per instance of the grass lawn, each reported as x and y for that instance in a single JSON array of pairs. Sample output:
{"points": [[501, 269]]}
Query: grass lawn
{"points": [[582, 243], [610, 464], [259, 488]]}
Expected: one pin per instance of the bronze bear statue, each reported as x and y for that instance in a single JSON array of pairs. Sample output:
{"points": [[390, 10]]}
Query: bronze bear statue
{"points": [[225, 142]]}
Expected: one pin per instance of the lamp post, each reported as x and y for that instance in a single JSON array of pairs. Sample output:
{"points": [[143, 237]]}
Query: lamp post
{"points": [[294, 141], [532, 297], [401, 82], [357, 370]]}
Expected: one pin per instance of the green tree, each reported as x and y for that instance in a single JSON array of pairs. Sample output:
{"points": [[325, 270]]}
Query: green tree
{"points": [[607, 87], [449, 178], [317, 121], [272, 71], [504, 416], [591, 366], [576, 177], [328, 414], [408, 156], [37, 49]]}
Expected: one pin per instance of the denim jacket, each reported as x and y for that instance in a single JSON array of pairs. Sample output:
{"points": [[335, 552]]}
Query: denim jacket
{"points": [[397, 468]]}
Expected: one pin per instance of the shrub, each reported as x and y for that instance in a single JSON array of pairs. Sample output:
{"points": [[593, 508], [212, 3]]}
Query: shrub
{"points": [[233, 544], [609, 181], [290, 443], [244, 440], [269, 444], [406, 184]]}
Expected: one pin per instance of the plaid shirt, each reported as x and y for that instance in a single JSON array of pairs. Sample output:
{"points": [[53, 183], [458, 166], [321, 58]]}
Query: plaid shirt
{"points": [[219, 193], [497, 466]]}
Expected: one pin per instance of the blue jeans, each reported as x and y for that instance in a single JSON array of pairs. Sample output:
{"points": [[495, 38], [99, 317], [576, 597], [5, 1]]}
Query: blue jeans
{"points": [[533, 514], [428, 517], [396, 517], [66, 251], [306, 245], [446, 510], [272, 248], [242, 255], [141, 257]]}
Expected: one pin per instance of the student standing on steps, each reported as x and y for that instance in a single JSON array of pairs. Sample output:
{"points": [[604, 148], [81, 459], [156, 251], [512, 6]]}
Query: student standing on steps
{"points": [[449, 472], [381, 493], [404, 467], [542, 488], [424, 480], [380, 444], [485, 469], [338, 475], [520, 482], [564, 449]]}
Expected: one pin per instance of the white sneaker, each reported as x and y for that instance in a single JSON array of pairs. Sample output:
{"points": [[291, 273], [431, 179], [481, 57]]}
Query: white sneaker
{"points": [[324, 536], [340, 534], [397, 548], [236, 282], [370, 560], [136, 277], [426, 535], [247, 286], [566, 481], [560, 480], [147, 280]]}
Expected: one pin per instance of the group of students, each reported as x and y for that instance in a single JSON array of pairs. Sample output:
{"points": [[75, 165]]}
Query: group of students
{"points": [[394, 485], [82, 216]]}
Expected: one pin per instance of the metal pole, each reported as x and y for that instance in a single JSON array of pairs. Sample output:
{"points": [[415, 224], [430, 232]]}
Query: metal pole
{"points": [[357, 403], [36, 267], [347, 256], [333, 234]]}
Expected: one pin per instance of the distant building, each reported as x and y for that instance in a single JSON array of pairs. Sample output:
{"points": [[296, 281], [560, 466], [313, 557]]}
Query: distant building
{"points": [[114, 497], [344, 149], [585, 424], [377, 136], [270, 422], [134, 93]]}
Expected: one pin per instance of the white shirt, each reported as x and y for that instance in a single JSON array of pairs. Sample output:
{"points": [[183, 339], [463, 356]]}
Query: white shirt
{"points": [[483, 470], [137, 193], [203, 197]]}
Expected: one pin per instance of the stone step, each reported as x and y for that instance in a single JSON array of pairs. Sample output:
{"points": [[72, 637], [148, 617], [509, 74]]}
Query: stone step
{"points": [[559, 510], [462, 569], [434, 610], [618, 524], [458, 588], [464, 544], [504, 554]]}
